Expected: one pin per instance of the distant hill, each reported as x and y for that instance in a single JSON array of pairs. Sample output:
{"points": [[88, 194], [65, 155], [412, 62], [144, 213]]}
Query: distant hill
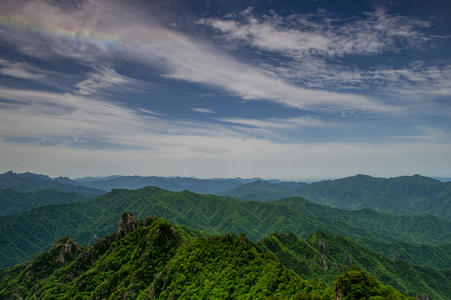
{"points": [[264, 191], [29, 182], [407, 195], [26, 234], [13, 202], [175, 184], [152, 259]]}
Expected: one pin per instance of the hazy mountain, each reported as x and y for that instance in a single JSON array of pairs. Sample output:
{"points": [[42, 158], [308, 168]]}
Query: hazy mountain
{"points": [[264, 191], [13, 202], [26, 234], [153, 259], [176, 184], [29, 182], [406, 195]]}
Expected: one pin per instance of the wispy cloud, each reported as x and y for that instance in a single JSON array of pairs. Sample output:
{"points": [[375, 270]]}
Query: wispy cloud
{"points": [[279, 123], [180, 57], [301, 36], [104, 80], [21, 70], [203, 110]]}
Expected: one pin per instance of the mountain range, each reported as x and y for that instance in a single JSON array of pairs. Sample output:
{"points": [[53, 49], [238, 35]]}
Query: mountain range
{"points": [[29, 182], [152, 259], [409, 252], [405, 195]]}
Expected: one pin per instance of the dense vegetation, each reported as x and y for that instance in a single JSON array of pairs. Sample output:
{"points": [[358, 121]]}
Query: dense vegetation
{"points": [[153, 259], [438, 256], [26, 234], [324, 256], [407, 195], [29, 182], [13, 202]]}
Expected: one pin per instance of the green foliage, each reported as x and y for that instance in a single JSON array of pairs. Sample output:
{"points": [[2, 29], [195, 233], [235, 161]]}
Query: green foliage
{"points": [[355, 284], [416, 229], [153, 259], [26, 234], [407, 195], [324, 256]]}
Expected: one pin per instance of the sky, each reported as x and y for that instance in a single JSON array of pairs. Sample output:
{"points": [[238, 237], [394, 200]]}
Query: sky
{"points": [[286, 90]]}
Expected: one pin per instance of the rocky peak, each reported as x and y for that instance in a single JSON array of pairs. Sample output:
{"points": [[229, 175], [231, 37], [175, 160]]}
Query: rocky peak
{"points": [[127, 223]]}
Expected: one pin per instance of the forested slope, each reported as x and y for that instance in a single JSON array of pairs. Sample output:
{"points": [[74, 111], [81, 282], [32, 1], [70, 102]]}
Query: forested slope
{"points": [[153, 259], [25, 235], [13, 202]]}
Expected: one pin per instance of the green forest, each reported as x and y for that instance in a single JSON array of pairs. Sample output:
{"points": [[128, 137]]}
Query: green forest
{"points": [[215, 246], [153, 259]]}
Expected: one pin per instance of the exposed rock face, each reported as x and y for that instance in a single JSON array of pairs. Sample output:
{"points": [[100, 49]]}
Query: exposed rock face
{"points": [[322, 260], [127, 223], [69, 249]]}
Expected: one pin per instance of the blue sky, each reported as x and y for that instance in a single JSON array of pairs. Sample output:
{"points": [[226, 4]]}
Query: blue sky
{"points": [[271, 89]]}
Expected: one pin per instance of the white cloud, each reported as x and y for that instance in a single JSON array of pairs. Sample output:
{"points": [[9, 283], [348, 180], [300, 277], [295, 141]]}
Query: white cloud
{"points": [[300, 36], [231, 157], [181, 58], [203, 110], [278, 123], [21, 70], [104, 80]]}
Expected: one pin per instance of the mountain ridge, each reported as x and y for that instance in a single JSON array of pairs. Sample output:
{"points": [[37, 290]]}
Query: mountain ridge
{"points": [[176, 266], [28, 233]]}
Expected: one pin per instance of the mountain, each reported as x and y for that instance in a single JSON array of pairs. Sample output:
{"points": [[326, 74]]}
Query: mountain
{"points": [[424, 226], [437, 256], [29, 182], [406, 195], [152, 259], [24, 235], [13, 202], [264, 191], [324, 256], [176, 184]]}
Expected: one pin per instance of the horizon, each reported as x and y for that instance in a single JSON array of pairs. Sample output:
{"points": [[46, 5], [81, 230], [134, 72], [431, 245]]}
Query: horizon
{"points": [[310, 89], [306, 180]]}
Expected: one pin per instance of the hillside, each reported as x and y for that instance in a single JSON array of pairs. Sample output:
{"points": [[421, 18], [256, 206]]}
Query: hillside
{"points": [[324, 256], [26, 234], [406, 195], [29, 182], [380, 223], [13, 202], [153, 259]]}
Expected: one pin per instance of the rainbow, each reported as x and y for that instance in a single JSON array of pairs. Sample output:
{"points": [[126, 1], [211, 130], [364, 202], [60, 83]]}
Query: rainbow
{"points": [[79, 33]]}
